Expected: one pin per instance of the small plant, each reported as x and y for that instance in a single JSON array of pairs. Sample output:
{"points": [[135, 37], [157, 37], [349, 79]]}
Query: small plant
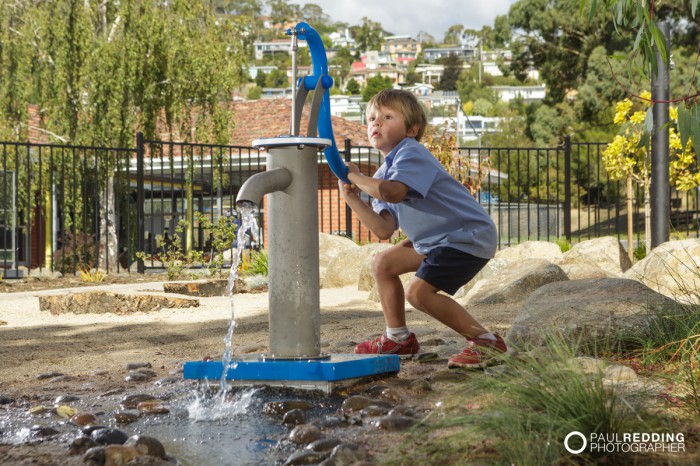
{"points": [[222, 234], [171, 255], [257, 264], [564, 244], [89, 275], [640, 252]]}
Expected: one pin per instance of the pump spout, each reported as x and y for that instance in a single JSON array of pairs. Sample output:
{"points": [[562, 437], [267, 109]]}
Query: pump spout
{"points": [[255, 187]]}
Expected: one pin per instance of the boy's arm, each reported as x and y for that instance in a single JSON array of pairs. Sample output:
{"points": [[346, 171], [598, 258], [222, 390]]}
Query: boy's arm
{"points": [[383, 225], [384, 190]]}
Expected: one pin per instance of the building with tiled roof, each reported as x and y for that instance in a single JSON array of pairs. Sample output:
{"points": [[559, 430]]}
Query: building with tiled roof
{"points": [[268, 118]]}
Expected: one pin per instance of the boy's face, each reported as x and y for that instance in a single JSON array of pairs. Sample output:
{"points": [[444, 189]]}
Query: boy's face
{"points": [[386, 127]]}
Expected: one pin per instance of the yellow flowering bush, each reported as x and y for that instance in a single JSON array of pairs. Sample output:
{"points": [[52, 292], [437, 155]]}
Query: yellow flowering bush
{"points": [[624, 157]]}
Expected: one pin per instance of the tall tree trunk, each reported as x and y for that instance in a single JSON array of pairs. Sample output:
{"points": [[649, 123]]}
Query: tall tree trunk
{"points": [[109, 252]]}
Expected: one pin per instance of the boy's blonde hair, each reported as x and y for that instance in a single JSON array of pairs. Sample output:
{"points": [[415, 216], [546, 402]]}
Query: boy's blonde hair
{"points": [[404, 102]]}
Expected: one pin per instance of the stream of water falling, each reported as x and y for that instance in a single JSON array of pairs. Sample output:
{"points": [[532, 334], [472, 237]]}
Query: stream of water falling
{"points": [[248, 222]]}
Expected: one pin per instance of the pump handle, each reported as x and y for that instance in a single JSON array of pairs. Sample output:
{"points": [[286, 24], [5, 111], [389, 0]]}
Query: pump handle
{"points": [[319, 62]]}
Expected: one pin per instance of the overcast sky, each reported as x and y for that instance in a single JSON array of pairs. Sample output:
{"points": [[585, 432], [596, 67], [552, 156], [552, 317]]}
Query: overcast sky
{"points": [[408, 17]]}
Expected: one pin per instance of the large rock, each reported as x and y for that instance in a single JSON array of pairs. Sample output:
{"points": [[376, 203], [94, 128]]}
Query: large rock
{"points": [[344, 269], [606, 253], [531, 250], [585, 270], [512, 257], [101, 302], [589, 309], [365, 281], [331, 246], [515, 283], [672, 270]]}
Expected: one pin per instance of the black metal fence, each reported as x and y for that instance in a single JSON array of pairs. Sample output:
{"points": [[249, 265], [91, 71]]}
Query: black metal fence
{"points": [[66, 208]]}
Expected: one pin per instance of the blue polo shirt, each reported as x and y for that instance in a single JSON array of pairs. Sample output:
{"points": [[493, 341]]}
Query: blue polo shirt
{"points": [[437, 210]]}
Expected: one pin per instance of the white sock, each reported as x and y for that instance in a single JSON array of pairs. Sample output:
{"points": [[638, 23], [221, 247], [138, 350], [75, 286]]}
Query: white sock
{"points": [[487, 336], [398, 334]]}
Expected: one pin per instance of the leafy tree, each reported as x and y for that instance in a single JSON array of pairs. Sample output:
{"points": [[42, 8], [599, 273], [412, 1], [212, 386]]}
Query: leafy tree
{"points": [[374, 85], [557, 41], [642, 19], [453, 35], [544, 125], [452, 69], [277, 78], [352, 87], [501, 32], [254, 93], [368, 35], [260, 78]]}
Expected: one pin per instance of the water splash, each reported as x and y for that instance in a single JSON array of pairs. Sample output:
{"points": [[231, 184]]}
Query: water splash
{"points": [[203, 408], [248, 223]]}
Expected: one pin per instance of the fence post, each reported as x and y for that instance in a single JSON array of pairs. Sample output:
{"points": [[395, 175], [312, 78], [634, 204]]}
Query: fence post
{"points": [[348, 211], [140, 199], [567, 188]]}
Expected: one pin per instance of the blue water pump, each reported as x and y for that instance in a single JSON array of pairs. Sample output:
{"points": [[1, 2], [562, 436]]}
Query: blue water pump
{"points": [[320, 82]]}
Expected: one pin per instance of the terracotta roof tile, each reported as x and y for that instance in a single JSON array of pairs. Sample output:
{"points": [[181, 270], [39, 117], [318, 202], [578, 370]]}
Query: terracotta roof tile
{"points": [[269, 118]]}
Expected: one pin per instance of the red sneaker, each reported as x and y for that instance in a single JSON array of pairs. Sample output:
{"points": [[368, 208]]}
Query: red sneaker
{"points": [[479, 353], [384, 345]]}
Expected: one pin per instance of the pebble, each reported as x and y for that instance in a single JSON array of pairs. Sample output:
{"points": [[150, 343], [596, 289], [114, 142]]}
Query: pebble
{"points": [[43, 431], [374, 411], [358, 403], [94, 456], [392, 395], [167, 381], [137, 365], [80, 445], [37, 410], [294, 417], [99, 372], [146, 445], [329, 422], [48, 375], [304, 434], [324, 444], [305, 457], [394, 422], [5, 400], [84, 419], [347, 453], [88, 430], [120, 455], [63, 399], [66, 411], [432, 342], [281, 407], [402, 410], [63, 378], [425, 357], [420, 386], [127, 416], [109, 436], [131, 401], [136, 377], [449, 376], [153, 407]]}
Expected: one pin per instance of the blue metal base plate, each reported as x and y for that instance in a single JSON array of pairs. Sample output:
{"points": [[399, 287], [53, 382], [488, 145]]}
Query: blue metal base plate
{"points": [[335, 368]]}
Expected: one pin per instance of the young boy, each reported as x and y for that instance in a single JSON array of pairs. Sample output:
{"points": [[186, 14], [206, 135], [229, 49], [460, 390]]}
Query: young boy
{"points": [[450, 236]]}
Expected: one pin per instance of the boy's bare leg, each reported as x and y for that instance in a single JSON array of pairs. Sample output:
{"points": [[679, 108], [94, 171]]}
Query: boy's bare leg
{"points": [[387, 266], [425, 297]]}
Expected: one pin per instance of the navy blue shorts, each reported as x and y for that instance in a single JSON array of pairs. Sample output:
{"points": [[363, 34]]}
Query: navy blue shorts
{"points": [[448, 269]]}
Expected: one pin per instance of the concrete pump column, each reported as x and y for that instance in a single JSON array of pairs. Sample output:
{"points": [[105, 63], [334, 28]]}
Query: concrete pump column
{"points": [[292, 244]]}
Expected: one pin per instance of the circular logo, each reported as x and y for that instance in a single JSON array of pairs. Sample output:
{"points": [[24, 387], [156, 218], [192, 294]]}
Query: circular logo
{"points": [[571, 450]]}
